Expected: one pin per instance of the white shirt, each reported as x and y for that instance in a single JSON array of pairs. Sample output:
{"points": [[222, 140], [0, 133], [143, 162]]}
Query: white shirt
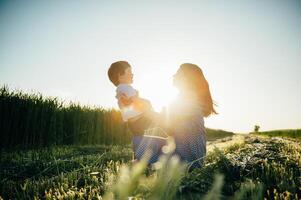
{"points": [[127, 112]]}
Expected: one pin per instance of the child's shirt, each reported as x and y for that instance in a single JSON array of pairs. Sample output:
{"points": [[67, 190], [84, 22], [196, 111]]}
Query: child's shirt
{"points": [[127, 112]]}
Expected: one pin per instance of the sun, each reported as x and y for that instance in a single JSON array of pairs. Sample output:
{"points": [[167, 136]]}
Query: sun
{"points": [[161, 97], [157, 88]]}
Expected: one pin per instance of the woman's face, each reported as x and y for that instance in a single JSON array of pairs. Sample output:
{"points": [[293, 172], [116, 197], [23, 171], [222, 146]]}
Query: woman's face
{"points": [[179, 80]]}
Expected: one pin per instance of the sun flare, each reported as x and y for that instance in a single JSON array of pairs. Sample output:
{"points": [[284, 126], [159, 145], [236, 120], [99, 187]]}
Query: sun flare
{"points": [[160, 95], [157, 88]]}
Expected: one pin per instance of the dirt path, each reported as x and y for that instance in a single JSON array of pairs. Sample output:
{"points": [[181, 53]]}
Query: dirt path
{"points": [[225, 142]]}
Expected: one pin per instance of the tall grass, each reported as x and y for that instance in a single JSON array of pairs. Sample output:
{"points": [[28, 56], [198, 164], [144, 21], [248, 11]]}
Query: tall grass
{"points": [[34, 121]]}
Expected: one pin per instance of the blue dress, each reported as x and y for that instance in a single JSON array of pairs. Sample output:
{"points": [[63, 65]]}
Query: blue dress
{"points": [[189, 132], [190, 139], [142, 143]]}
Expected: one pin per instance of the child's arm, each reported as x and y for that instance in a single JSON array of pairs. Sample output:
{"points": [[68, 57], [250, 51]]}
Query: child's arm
{"points": [[138, 103], [124, 100]]}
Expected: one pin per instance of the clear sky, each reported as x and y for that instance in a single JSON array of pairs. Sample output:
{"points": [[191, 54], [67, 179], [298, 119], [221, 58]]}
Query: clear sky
{"points": [[250, 52]]}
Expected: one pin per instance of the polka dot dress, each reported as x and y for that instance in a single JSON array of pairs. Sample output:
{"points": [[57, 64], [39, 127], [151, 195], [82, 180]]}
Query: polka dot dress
{"points": [[190, 139], [142, 144]]}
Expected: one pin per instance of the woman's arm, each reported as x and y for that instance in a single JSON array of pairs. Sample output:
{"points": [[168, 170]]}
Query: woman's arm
{"points": [[161, 120]]}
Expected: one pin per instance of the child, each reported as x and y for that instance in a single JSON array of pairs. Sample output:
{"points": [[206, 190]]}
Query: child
{"points": [[136, 111], [133, 108]]}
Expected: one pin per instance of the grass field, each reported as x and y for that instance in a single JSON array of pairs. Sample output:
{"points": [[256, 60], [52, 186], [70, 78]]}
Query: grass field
{"points": [[251, 168], [214, 134], [291, 133], [50, 150]]}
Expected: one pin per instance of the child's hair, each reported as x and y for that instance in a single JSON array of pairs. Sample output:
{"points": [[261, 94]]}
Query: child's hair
{"points": [[116, 69]]}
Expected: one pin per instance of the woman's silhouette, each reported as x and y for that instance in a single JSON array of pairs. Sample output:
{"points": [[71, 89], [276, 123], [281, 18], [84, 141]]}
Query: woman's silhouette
{"points": [[187, 114]]}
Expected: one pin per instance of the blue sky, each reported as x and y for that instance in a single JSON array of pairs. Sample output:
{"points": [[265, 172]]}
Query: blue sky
{"points": [[250, 52]]}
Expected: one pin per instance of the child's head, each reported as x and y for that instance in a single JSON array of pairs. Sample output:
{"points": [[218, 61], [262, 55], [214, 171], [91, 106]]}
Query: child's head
{"points": [[120, 72]]}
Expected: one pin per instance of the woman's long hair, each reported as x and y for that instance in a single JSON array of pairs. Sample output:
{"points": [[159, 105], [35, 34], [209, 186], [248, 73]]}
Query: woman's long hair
{"points": [[195, 82]]}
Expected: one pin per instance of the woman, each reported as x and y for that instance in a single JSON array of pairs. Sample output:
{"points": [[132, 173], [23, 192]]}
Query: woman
{"points": [[188, 112]]}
